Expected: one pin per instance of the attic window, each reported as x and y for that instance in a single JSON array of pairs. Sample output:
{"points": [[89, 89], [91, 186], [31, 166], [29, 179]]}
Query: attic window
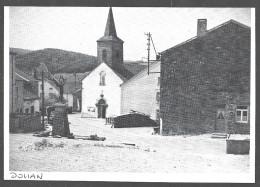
{"points": [[104, 55], [102, 78]]}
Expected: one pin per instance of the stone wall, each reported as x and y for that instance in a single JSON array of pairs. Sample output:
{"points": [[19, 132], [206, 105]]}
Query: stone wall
{"points": [[203, 74], [24, 122]]}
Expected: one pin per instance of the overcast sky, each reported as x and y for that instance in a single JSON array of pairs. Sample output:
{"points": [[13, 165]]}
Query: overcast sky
{"points": [[78, 28]]}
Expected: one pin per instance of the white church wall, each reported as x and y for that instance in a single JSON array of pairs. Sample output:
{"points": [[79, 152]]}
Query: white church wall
{"points": [[91, 90]]}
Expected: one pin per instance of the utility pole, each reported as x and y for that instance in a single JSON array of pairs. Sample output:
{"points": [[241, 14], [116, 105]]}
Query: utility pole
{"points": [[42, 87], [148, 48], [43, 107], [158, 56]]}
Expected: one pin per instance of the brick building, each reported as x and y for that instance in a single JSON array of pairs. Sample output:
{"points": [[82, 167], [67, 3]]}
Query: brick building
{"points": [[205, 81]]}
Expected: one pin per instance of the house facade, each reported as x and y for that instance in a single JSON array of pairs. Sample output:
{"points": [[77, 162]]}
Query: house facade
{"points": [[12, 81], [72, 85], [77, 104], [205, 81], [141, 93], [25, 93]]}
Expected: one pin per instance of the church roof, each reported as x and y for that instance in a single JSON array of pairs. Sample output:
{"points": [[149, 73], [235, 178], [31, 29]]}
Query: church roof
{"points": [[110, 30]]}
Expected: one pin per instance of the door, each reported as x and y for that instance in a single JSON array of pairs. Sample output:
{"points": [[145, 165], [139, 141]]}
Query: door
{"points": [[32, 109], [220, 120], [102, 111], [103, 115]]}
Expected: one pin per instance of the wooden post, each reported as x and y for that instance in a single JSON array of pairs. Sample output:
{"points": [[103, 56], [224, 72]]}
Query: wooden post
{"points": [[43, 98]]}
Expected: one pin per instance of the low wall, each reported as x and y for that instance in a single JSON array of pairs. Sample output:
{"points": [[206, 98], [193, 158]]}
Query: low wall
{"points": [[238, 146], [25, 122]]}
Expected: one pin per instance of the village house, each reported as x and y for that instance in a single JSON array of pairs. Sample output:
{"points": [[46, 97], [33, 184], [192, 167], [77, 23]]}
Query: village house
{"points": [[51, 91], [77, 101], [205, 81], [72, 85], [12, 80], [24, 96], [101, 91], [142, 93]]}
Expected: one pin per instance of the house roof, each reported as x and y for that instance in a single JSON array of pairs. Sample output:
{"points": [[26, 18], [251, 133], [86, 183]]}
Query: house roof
{"points": [[125, 71], [30, 89], [70, 87], [71, 76], [144, 70], [110, 30], [134, 67], [207, 32], [23, 76]]}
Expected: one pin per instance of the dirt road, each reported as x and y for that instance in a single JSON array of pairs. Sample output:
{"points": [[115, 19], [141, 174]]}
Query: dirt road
{"points": [[151, 153]]}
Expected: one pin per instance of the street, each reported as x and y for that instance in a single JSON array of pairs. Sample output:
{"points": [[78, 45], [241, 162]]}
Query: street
{"points": [[150, 153]]}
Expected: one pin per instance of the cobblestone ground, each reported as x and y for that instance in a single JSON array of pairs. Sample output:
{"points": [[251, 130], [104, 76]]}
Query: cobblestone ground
{"points": [[151, 153]]}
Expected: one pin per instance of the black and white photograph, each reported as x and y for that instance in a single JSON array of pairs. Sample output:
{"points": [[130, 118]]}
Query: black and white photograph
{"points": [[159, 94]]}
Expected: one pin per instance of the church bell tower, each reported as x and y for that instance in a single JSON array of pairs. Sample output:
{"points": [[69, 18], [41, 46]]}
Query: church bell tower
{"points": [[110, 47]]}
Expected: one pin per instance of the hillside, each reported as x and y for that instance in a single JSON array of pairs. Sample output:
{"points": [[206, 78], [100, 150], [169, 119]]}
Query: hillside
{"points": [[61, 61], [56, 60], [19, 51]]}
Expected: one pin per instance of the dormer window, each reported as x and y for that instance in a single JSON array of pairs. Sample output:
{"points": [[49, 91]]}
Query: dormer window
{"points": [[102, 78], [104, 55]]}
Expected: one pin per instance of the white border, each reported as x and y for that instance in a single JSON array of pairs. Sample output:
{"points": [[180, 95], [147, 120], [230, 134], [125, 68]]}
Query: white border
{"points": [[6, 93], [135, 177]]}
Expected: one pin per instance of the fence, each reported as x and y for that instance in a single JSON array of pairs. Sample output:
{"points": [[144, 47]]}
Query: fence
{"points": [[26, 122], [109, 121]]}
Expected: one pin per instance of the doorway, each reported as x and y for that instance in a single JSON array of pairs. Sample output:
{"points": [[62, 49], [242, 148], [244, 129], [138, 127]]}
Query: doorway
{"points": [[102, 107], [220, 121]]}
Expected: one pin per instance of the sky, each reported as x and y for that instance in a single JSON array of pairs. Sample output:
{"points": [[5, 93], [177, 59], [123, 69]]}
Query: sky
{"points": [[78, 28]]}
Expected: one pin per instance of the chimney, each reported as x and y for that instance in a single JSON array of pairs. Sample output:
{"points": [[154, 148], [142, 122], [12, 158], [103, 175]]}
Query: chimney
{"points": [[202, 27]]}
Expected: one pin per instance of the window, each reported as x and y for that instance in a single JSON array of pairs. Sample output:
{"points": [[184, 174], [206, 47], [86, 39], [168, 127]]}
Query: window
{"points": [[158, 97], [159, 81], [104, 55], [242, 114], [16, 92], [102, 78]]}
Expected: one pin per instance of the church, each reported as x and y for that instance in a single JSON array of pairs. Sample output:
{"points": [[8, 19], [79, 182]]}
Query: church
{"points": [[101, 91]]}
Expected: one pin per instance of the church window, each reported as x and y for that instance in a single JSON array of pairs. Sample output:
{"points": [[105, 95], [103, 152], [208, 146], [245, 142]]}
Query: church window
{"points": [[102, 78], [104, 55]]}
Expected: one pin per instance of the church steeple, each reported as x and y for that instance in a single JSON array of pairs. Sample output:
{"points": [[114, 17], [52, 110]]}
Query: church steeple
{"points": [[110, 26], [110, 47]]}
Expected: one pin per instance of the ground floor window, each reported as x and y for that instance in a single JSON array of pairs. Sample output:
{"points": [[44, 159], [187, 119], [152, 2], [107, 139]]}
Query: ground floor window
{"points": [[242, 114]]}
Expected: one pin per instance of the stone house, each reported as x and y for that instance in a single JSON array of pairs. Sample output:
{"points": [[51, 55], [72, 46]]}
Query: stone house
{"points": [[25, 93], [205, 81], [142, 93]]}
